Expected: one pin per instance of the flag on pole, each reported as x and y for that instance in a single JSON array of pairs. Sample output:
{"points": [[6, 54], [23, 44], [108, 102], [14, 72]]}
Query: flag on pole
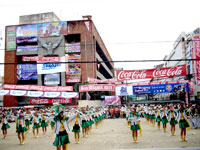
{"points": [[98, 66], [88, 96]]}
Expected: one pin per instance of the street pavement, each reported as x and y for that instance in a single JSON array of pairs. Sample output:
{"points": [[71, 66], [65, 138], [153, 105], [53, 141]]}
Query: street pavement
{"points": [[113, 134]]}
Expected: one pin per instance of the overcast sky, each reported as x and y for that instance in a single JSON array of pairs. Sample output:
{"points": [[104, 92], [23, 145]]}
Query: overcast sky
{"points": [[130, 29]]}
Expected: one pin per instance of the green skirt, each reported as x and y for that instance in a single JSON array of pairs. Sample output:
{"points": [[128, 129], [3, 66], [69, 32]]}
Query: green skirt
{"points": [[135, 127], [52, 123], [85, 124], [5, 126], [36, 125], [153, 117], [158, 119], [164, 120], [173, 122], [96, 119], [44, 124], [76, 128], [183, 124], [28, 122], [61, 139], [91, 122], [19, 129]]}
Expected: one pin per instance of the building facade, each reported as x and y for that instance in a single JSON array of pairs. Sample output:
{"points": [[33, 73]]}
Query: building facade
{"points": [[77, 44], [186, 48]]}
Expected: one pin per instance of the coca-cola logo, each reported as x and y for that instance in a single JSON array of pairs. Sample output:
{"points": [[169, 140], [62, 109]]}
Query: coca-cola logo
{"points": [[127, 75], [167, 72]]}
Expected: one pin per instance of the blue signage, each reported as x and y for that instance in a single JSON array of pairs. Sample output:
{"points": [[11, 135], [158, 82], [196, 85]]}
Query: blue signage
{"points": [[160, 88]]}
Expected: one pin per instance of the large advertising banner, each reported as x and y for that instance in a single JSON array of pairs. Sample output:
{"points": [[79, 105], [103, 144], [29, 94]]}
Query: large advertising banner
{"points": [[49, 68], [52, 29], [50, 101], [151, 73], [97, 87], [26, 71], [52, 79], [39, 94], [40, 58], [27, 48], [157, 89], [72, 48], [11, 38], [74, 69], [111, 100], [74, 57], [27, 33], [38, 88], [197, 50]]}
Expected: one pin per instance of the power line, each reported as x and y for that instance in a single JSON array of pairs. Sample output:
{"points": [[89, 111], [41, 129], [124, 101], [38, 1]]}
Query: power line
{"points": [[97, 62], [122, 43]]}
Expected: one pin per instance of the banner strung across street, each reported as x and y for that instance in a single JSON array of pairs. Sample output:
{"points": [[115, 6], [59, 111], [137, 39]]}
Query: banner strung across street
{"points": [[39, 94], [96, 87], [93, 80], [38, 88], [111, 100], [50, 101], [157, 89], [150, 89], [151, 73]]}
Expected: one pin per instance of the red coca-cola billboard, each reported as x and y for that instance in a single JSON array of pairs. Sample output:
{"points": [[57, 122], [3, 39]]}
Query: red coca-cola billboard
{"points": [[151, 73], [38, 101]]}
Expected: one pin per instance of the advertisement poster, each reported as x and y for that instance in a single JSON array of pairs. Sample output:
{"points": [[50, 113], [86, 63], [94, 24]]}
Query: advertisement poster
{"points": [[74, 69], [26, 71], [27, 33], [124, 90], [11, 38], [179, 70], [48, 68], [52, 79], [73, 79], [74, 57], [72, 48], [27, 48], [52, 29], [197, 50]]}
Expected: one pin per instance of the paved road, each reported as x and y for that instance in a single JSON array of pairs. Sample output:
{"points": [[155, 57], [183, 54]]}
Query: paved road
{"points": [[112, 134]]}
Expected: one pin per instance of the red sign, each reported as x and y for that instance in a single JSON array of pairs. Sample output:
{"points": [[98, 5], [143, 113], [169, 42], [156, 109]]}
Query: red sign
{"points": [[197, 50], [38, 88], [72, 80], [151, 73], [50, 101], [40, 58], [93, 80], [96, 87]]}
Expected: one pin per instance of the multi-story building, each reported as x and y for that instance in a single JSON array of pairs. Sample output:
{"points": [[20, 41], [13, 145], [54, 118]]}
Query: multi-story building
{"points": [[77, 43], [185, 48]]}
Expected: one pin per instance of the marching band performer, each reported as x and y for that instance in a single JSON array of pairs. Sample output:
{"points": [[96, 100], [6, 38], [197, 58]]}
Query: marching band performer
{"points": [[5, 125], [172, 118], [158, 118], [36, 124], [61, 128], [183, 123], [164, 118]]}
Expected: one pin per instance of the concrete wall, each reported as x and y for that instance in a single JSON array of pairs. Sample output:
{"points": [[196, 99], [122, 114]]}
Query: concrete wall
{"points": [[38, 18], [84, 103]]}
